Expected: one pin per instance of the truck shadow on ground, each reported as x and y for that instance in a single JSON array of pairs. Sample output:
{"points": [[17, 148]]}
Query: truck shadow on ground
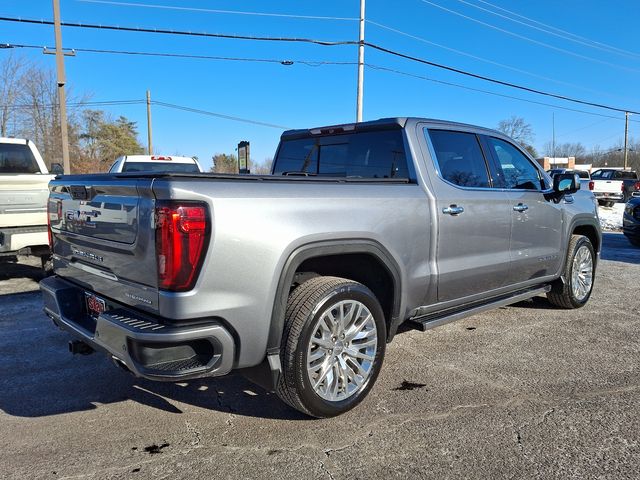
{"points": [[10, 268], [75, 392], [51, 381]]}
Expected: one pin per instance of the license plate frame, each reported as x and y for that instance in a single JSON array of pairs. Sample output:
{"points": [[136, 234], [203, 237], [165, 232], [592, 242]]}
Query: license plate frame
{"points": [[94, 304]]}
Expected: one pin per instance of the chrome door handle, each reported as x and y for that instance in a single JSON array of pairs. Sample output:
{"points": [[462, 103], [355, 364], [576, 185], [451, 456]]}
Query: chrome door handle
{"points": [[521, 207], [453, 210]]}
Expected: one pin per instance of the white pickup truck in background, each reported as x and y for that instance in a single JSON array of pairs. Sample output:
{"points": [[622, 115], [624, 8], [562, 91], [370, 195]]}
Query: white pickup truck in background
{"points": [[611, 185], [24, 180]]}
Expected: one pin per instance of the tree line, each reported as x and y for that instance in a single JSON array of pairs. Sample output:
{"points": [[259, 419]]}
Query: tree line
{"points": [[522, 132], [29, 109]]}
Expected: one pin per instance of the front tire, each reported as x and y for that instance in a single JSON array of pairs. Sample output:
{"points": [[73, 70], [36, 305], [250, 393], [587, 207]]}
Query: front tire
{"points": [[579, 274], [332, 348]]}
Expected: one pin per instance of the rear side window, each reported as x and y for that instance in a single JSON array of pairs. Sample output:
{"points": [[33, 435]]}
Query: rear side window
{"points": [[358, 155], [160, 167], [460, 158], [15, 158], [515, 171]]}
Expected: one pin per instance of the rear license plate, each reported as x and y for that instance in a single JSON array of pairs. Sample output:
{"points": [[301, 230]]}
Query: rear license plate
{"points": [[95, 304]]}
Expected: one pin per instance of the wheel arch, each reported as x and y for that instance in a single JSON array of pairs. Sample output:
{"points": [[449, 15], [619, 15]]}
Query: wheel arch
{"points": [[312, 254], [591, 232]]}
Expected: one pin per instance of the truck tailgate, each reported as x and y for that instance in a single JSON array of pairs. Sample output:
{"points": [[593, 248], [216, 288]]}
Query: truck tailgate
{"points": [[607, 186], [104, 236], [23, 200]]}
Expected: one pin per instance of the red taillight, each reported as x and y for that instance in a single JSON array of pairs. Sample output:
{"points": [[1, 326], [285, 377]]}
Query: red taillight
{"points": [[591, 185], [182, 231], [54, 212], [622, 187], [160, 157], [636, 186]]}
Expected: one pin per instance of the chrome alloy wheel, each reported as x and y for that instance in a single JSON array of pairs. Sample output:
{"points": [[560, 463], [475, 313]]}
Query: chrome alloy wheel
{"points": [[341, 350], [582, 273]]}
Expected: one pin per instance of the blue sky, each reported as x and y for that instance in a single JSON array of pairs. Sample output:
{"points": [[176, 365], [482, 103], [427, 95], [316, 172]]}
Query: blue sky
{"points": [[300, 95]]}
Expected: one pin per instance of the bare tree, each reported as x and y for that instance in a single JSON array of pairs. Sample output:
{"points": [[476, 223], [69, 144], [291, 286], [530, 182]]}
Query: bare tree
{"points": [[567, 149], [263, 168], [12, 73], [521, 131]]}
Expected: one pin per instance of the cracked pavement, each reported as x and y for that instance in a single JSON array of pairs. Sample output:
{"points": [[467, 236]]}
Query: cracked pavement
{"points": [[524, 391]]}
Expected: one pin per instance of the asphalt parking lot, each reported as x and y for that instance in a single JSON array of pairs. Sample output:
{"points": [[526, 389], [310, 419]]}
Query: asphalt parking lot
{"points": [[524, 391]]}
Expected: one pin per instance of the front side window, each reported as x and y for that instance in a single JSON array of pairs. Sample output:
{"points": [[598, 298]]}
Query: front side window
{"points": [[377, 154], [514, 169], [460, 158]]}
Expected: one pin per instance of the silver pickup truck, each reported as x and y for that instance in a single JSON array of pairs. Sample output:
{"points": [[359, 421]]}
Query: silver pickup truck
{"points": [[308, 272]]}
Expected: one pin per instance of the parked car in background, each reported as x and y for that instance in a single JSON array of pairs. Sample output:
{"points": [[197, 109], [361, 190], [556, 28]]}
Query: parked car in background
{"points": [[631, 221], [309, 272], [585, 176], [611, 185], [156, 164], [24, 180]]}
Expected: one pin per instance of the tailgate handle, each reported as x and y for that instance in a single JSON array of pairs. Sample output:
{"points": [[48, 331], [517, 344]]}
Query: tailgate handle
{"points": [[93, 270]]}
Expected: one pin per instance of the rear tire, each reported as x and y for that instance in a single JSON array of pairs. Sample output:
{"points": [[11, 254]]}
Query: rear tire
{"points": [[578, 274], [332, 348]]}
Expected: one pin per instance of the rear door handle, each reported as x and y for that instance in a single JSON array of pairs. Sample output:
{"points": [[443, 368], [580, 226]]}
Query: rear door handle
{"points": [[521, 207], [453, 210]]}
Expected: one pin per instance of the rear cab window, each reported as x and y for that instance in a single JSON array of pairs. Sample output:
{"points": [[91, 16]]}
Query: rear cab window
{"points": [[17, 158], [367, 155], [160, 167], [602, 174]]}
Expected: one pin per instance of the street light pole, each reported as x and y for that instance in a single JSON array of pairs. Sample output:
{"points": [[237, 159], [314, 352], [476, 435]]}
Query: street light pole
{"points": [[360, 65], [62, 97]]}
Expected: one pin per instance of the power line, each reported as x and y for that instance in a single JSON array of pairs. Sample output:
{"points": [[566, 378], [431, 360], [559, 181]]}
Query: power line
{"points": [[179, 32], [488, 92], [551, 27], [481, 59], [545, 30], [287, 62], [531, 40], [325, 43], [218, 115], [209, 10], [103, 103], [599, 122], [493, 80]]}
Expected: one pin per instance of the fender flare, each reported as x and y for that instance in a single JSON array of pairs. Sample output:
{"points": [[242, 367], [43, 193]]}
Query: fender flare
{"points": [[319, 249]]}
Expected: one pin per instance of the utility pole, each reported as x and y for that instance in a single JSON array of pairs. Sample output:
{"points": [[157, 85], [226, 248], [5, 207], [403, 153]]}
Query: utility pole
{"points": [[62, 97], [149, 136], [360, 65], [626, 136], [553, 138]]}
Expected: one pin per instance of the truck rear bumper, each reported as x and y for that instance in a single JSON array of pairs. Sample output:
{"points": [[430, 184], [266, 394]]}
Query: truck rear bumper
{"points": [[148, 348], [15, 239], [608, 196]]}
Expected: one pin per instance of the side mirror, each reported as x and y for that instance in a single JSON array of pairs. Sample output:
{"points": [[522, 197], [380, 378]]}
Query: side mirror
{"points": [[57, 169], [566, 183]]}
